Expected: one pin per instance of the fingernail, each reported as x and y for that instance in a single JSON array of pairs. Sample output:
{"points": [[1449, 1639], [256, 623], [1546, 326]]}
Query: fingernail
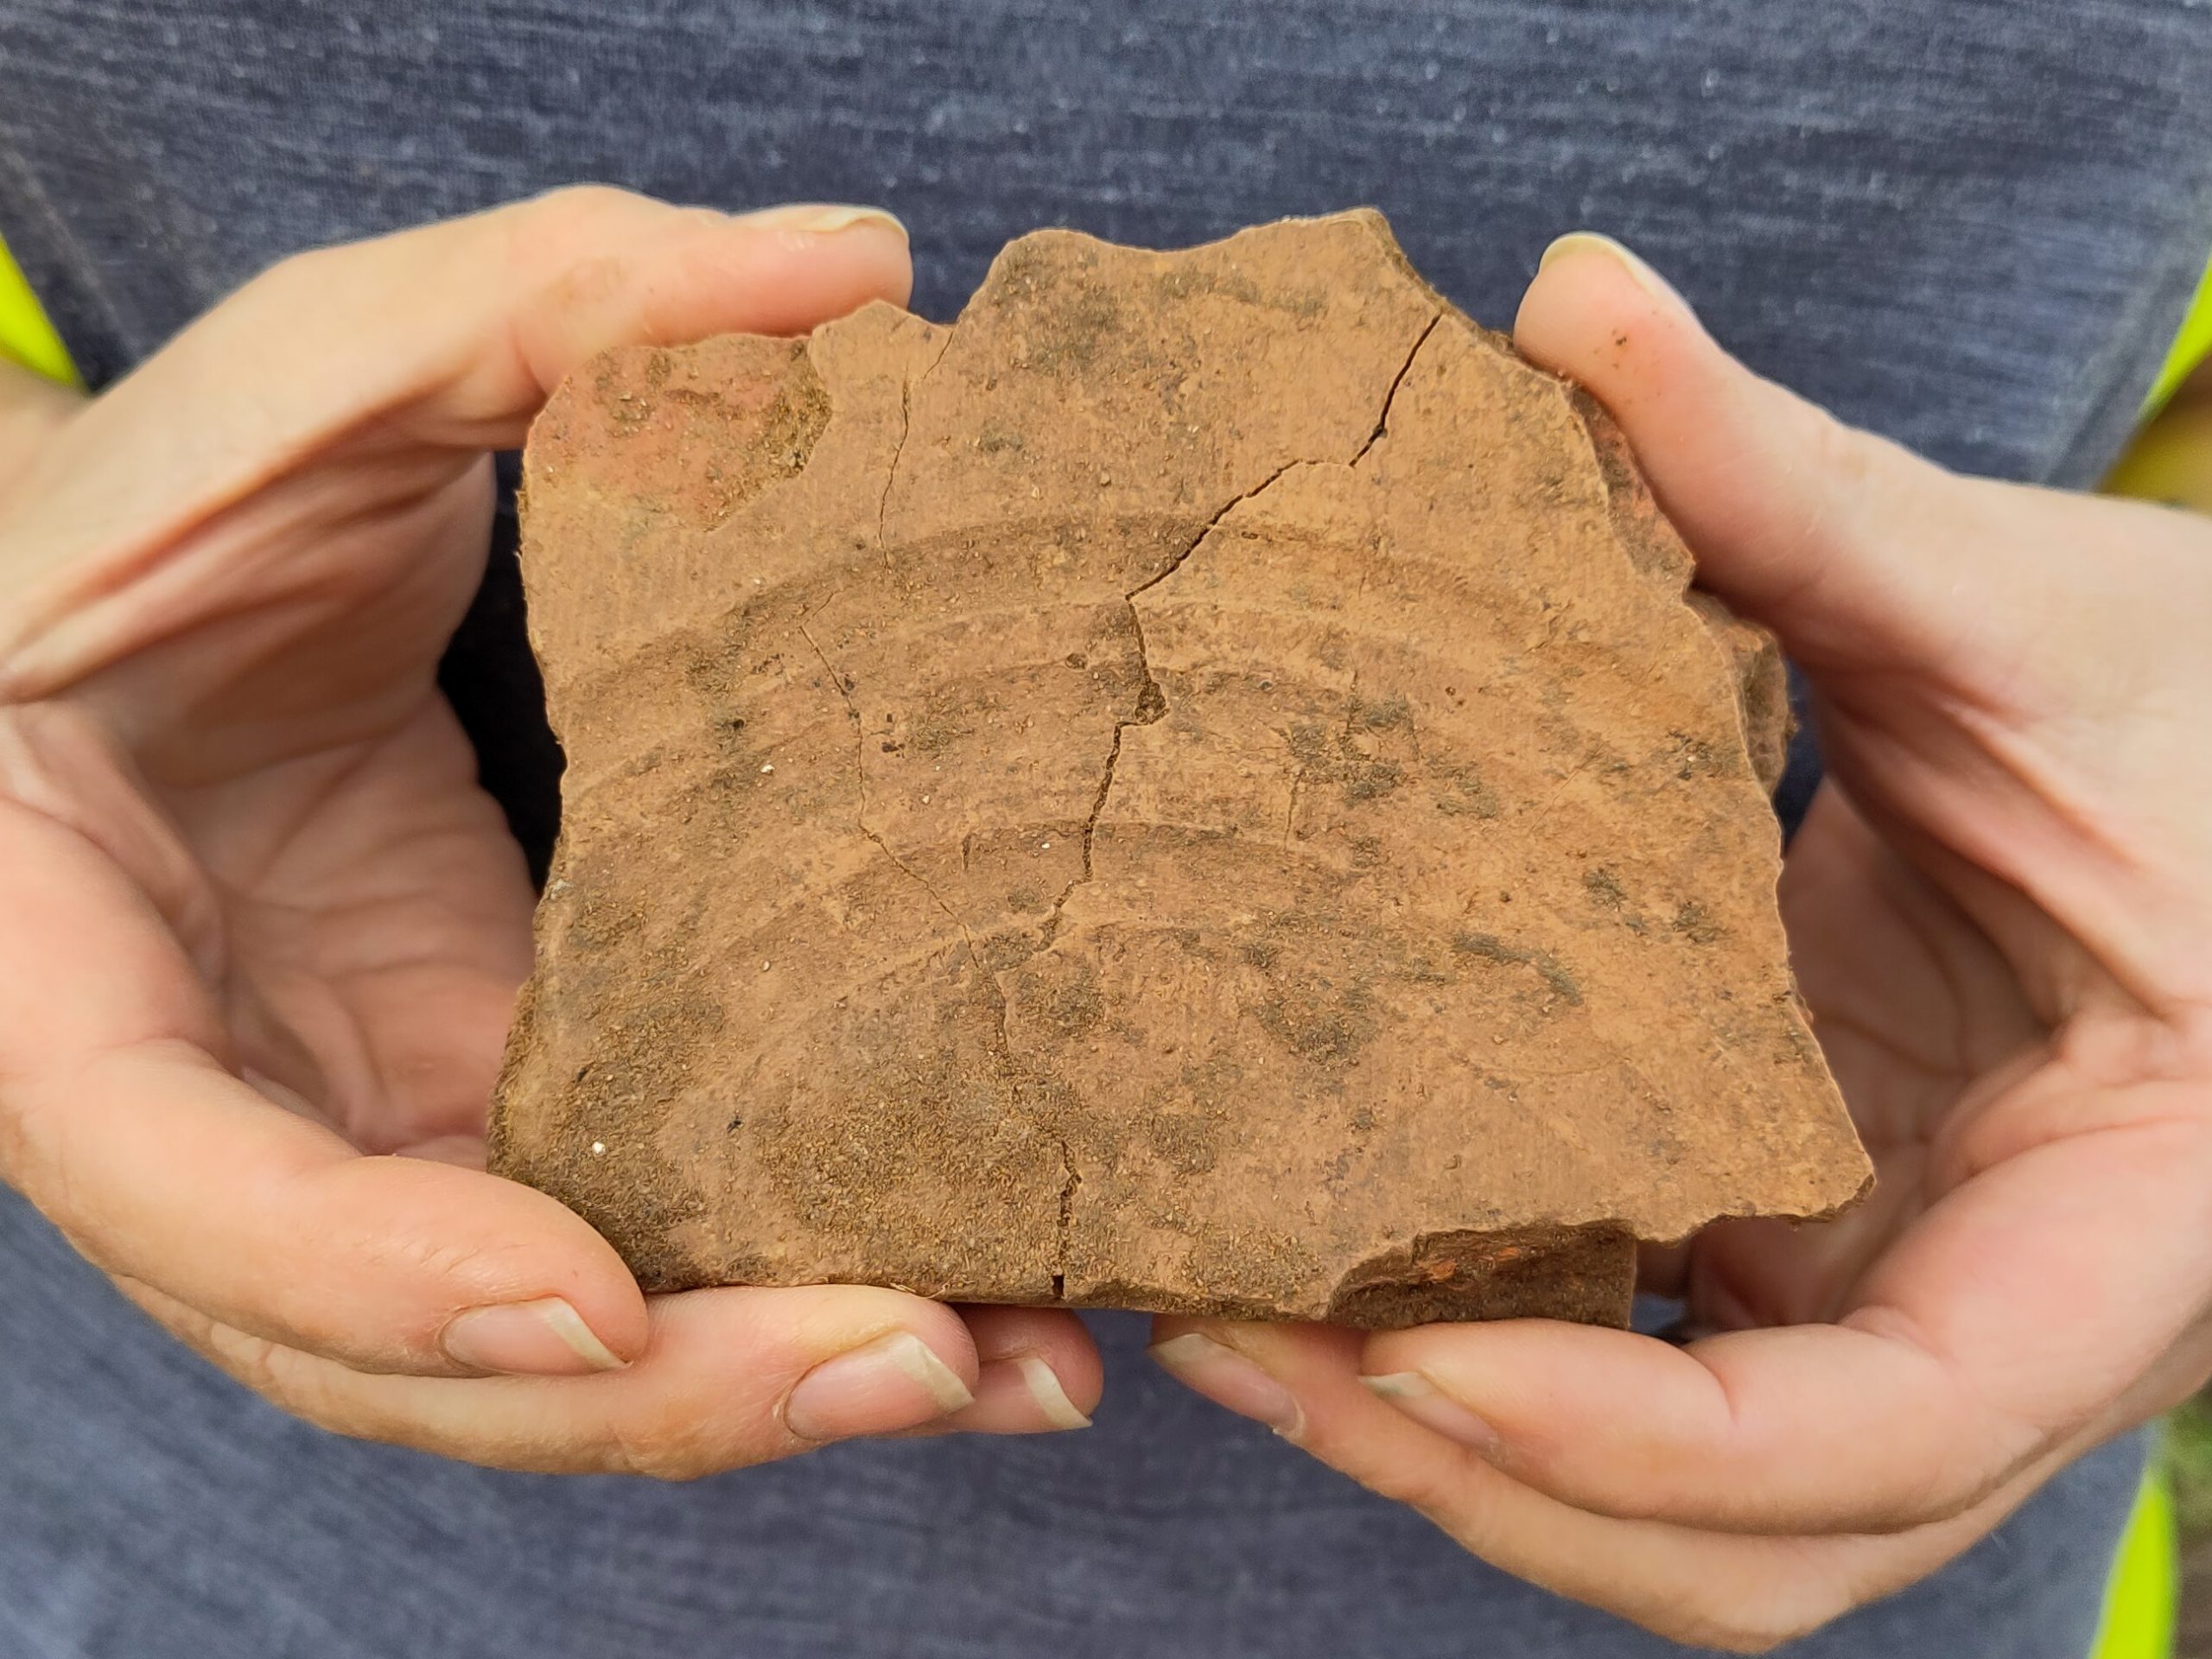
{"points": [[1043, 1385], [1591, 242], [1428, 1405], [541, 1339], [1229, 1379], [890, 1383], [827, 217]]}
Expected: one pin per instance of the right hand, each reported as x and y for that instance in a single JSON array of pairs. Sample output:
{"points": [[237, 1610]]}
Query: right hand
{"points": [[264, 931], [1999, 911]]}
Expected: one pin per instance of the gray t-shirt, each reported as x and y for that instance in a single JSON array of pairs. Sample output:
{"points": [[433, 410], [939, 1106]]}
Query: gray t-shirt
{"points": [[1970, 224]]}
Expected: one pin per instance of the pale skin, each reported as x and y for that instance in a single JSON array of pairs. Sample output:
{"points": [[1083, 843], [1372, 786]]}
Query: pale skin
{"points": [[2001, 910], [264, 933]]}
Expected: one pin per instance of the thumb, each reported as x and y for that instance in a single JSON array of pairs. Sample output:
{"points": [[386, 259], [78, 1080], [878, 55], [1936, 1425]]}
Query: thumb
{"points": [[32, 409], [1855, 550], [2014, 673], [408, 357]]}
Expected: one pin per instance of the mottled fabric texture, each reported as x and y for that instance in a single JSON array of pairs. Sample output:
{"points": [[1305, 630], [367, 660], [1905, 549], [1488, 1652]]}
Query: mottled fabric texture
{"points": [[1969, 223]]}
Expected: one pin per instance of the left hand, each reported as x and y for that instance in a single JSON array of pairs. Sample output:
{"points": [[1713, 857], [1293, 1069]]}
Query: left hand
{"points": [[261, 931], [2000, 912]]}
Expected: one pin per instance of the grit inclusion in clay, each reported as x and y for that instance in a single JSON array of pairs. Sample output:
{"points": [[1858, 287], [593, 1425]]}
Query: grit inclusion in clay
{"points": [[1198, 787]]}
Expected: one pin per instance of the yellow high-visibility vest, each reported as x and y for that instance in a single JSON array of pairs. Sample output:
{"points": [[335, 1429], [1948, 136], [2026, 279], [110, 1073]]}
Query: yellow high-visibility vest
{"points": [[26, 336]]}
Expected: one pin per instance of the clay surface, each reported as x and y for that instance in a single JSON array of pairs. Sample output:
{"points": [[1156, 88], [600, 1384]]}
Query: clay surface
{"points": [[1198, 787]]}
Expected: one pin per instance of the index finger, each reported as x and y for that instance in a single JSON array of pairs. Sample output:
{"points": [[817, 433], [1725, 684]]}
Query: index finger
{"points": [[2018, 1312]]}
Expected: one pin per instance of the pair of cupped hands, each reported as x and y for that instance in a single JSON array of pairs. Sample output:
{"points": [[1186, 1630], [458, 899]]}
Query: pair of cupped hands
{"points": [[263, 934]]}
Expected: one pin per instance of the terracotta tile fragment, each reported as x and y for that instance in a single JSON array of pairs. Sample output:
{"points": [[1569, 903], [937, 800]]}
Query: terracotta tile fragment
{"points": [[1198, 787]]}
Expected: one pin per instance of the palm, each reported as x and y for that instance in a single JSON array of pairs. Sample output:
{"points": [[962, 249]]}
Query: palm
{"points": [[379, 946], [370, 909], [1910, 1007], [1983, 1126], [2009, 981], [244, 859]]}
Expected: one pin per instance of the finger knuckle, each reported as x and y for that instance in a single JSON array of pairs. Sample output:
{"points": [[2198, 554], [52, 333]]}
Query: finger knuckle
{"points": [[16, 1143], [1732, 1634], [1852, 466], [295, 283], [574, 216], [291, 1381], [43, 1163], [587, 200], [1772, 1618], [1842, 453], [663, 1445], [1436, 1487], [254, 1361], [484, 1264], [1727, 1636], [588, 282], [1946, 1490]]}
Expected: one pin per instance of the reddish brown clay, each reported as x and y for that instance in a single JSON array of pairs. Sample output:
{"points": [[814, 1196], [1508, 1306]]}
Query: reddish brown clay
{"points": [[1198, 787]]}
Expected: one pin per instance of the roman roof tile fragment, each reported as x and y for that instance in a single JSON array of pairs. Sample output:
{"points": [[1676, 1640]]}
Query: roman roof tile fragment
{"points": [[1196, 787]]}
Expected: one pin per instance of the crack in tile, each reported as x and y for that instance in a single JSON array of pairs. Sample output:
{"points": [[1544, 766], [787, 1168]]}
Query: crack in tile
{"points": [[1151, 702], [1150, 707], [1072, 1178], [984, 976], [1389, 398], [908, 384], [861, 823]]}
